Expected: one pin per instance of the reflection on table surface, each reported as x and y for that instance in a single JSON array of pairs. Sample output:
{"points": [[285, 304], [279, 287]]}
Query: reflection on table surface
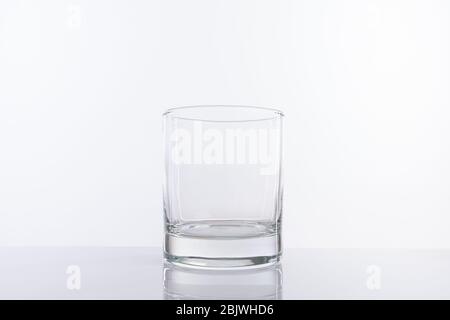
{"points": [[139, 273], [187, 283]]}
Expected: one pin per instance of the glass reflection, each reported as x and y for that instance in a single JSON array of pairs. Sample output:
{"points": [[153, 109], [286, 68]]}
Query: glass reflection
{"points": [[185, 283]]}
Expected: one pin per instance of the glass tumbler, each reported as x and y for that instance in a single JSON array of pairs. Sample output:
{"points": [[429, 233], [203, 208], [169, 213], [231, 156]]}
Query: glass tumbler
{"points": [[223, 188]]}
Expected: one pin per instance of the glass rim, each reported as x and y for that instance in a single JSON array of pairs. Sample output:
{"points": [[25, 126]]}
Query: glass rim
{"points": [[173, 112]]}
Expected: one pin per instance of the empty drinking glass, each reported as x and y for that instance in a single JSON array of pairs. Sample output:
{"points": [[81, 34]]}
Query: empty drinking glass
{"points": [[223, 186]]}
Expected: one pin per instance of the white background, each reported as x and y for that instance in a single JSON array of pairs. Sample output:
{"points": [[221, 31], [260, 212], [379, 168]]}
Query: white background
{"points": [[364, 86]]}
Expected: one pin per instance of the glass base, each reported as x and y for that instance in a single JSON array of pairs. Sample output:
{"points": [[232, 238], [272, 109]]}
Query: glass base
{"points": [[217, 263], [228, 248]]}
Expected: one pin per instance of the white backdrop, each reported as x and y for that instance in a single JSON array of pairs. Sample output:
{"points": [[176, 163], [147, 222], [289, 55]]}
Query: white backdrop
{"points": [[364, 86]]}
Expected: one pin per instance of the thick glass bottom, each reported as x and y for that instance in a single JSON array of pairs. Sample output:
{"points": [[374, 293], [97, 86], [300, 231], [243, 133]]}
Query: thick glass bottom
{"points": [[223, 245]]}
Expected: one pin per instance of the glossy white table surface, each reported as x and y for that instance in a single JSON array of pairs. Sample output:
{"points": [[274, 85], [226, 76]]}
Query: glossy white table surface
{"points": [[139, 273]]}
